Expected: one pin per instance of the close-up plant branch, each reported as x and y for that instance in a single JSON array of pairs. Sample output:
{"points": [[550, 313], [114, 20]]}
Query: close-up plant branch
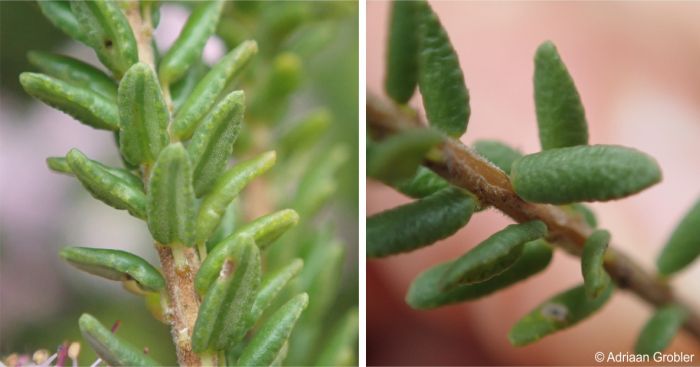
{"points": [[231, 288], [543, 192]]}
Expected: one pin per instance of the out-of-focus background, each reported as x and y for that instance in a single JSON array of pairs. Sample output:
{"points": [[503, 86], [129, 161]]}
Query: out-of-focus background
{"points": [[42, 297], [636, 67]]}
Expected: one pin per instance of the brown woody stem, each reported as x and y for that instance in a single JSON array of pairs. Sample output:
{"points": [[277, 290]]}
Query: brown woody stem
{"points": [[463, 167], [180, 263]]}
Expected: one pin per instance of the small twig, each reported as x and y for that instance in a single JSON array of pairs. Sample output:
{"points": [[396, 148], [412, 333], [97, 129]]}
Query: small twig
{"points": [[464, 168], [179, 263]]}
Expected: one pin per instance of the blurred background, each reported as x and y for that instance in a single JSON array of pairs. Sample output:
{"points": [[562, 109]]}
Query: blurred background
{"points": [[636, 67], [312, 47]]}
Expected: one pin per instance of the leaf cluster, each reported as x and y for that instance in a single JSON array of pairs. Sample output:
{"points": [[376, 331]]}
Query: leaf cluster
{"points": [[567, 172], [176, 121]]}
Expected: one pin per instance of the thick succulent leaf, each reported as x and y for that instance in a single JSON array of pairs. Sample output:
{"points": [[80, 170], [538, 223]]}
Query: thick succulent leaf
{"points": [[59, 13], [171, 197], [266, 229], [595, 279], [402, 51], [494, 255], [225, 189], [659, 331], [497, 153], [272, 336], [143, 116], [108, 32], [75, 72], [583, 173], [340, 346], [107, 187], [319, 182], [212, 142], [111, 348], [558, 313], [271, 286], [560, 115], [424, 183], [221, 321], [684, 245], [304, 133], [60, 165], [86, 106], [425, 291], [207, 91], [115, 265], [263, 231], [189, 45], [398, 157], [440, 79], [418, 224]]}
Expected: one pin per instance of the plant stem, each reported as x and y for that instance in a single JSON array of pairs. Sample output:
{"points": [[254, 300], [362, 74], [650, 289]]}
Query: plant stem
{"points": [[463, 167], [179, 263]]}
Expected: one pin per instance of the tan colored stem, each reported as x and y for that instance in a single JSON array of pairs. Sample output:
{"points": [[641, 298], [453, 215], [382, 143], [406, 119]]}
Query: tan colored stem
{"points": [[180, 264], [462, 167]]}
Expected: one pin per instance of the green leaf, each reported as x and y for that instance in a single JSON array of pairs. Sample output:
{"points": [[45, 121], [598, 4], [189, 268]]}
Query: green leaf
{"points": [[115, 265], [683, 247], [207, 91], [143, 116], [497, 153], [304, 133], [595, 279], [560, 115], [74, 72], [418, 224], [111, 348], [60, 165], [271, 286], [560, 312], [270, 339], [181, 90], [268, 228], [659, 331], [402, 51], [83, 104], [398, 157], [424, 183], [340, 347], [225, 189], [263, 231], [583, 173], [440, 79], [171, 198], [319, 182], [59, 13], [493, 256], [426, 293], [107, 187], [221, 321], [108, 32], [189, 45], [212, 142]]}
